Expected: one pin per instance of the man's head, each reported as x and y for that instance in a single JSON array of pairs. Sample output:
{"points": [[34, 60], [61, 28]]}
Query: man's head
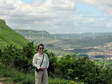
{"points": [[40, 48]]}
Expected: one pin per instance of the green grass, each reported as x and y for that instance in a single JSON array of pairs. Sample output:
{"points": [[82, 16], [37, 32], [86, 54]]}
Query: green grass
{"points": [[14, 76], [9, 36]]}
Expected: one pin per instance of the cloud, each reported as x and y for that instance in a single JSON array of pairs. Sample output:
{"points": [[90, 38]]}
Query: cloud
{"points": [[97, 1], [103, 5], [56, 15], [90, 1], [61, 3]]}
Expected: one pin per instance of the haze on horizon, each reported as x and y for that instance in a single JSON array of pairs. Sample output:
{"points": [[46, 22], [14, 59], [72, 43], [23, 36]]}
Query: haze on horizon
{"points": [[58, 16]]}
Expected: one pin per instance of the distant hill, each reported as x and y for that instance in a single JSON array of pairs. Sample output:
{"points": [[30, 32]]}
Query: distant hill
{"points": [[9, 36], [105, 46], [31, 32], [83, 40], [40, 37], [63, 41], [98, 45], [105, 49]]}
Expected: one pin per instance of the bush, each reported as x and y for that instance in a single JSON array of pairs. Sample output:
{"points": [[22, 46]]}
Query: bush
{"points": [[69, 67], [83, 69], [19, 58]]}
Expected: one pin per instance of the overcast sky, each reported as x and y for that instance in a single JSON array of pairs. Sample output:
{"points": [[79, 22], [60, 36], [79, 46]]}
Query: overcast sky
{"points": [[58, 16]]}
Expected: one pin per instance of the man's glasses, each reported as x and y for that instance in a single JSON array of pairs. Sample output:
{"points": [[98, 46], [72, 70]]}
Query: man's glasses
{"points": [[41, 48]]}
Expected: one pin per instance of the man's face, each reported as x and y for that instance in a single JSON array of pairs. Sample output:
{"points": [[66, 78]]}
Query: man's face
{"points": [[41, 48]]}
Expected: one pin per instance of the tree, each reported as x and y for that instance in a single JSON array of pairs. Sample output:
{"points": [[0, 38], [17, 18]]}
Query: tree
{"points": [[52, 63]]}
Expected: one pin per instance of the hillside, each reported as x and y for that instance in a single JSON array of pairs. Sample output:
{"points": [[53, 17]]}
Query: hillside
{"points": [[9, 36]]}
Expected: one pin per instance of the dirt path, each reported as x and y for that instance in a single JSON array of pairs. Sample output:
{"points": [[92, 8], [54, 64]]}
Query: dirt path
{"points": [[1, 83], [1, 80]]}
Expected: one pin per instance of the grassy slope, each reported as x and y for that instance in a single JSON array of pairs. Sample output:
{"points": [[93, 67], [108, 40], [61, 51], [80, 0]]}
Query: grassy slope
{"points": [[8, 36]]}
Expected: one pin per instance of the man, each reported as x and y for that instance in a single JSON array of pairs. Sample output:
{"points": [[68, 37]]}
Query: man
{"points": [[41, 62]]}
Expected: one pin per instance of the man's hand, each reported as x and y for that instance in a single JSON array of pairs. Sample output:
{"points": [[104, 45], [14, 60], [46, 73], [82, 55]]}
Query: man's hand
{"points": [[43, 68]]}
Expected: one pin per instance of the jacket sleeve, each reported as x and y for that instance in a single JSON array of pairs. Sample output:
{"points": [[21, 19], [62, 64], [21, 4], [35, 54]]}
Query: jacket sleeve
{"points": [[36, 61]]}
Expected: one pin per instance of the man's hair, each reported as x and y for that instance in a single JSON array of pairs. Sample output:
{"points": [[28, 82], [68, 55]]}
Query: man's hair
{"points": [[39, 46]]}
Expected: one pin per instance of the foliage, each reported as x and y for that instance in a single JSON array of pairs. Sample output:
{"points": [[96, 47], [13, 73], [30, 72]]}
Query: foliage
{"points": [[85, 70], [69, 67], [19, 58], [14, 76], [52, 63]]}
